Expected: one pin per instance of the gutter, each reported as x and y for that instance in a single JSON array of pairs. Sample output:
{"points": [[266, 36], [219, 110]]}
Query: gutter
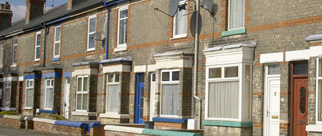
{"points": [[196, 65]]}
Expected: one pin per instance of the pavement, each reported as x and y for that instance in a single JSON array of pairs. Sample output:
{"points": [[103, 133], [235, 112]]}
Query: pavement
{"points": [[4, 131]]}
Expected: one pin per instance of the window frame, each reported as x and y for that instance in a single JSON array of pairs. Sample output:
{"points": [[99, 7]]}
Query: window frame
{"points": [[55, 42], [170, 82], [45, 93], [37, 46], [82, 92], [7, 85], [317, 94], [175, 36], [89, 33], [229, 21], [241, 89], [119, 19], [112, 83], [14, 50], [29, 87]]}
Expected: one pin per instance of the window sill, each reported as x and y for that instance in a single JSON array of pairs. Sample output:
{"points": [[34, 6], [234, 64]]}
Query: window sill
{"points": [[227, 123], [27, 108], [234, 32], [179, 36], [13, 66], [119, 49], [114, 115], [82, 113], [90, 50], [172, 120], [55, 59], [36, 60], [8, 109], [314, 128]]}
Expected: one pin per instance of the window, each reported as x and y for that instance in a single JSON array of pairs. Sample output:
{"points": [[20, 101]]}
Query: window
{"points": [[49, 89], [91, 33], [228, 90], [112, 98], [180, 24], [82, 93], [122, 27], [29, 93], [57, 42], [6, 97], [14, 50], [170, 92], [236, 12], [37, 46], [319, 90]]}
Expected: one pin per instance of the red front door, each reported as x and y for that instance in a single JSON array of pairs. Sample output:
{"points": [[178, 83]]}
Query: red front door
{"points": [[300, 95]]}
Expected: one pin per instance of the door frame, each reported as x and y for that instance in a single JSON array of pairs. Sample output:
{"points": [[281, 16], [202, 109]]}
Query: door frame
{"points": [[65, 96], [266, 94], [21, 85], [137, 119], [152, 96], [292, 89]]}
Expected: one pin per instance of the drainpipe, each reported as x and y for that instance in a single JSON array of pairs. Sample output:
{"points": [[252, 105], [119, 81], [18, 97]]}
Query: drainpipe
{"points": [[107, 28], [196, 65], [44, 38]]}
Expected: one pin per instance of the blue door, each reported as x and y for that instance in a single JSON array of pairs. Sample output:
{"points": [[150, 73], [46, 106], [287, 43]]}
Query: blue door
{"points": [[139, 97]]}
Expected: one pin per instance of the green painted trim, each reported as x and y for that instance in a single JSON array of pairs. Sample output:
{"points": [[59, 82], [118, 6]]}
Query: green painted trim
{"points": [[234, 32], [227, 123], [167, 133]]}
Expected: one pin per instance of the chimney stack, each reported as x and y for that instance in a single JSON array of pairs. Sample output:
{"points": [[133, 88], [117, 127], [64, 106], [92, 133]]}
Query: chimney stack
{"points": [[71, 3], [35, 8], [5, 15]]}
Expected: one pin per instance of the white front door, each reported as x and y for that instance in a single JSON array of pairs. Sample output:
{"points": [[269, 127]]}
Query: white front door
{"points": [[152, 96], [272, 103], [67, 88]]}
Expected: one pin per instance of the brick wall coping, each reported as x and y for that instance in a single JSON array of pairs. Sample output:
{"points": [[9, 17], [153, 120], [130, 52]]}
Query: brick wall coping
{"points": [[17, 117], [147, 131], [314, 37], [28, 118], [173, 120], [49, 111], [49, 121], [71, 123], [94, 124], [227, 123]]}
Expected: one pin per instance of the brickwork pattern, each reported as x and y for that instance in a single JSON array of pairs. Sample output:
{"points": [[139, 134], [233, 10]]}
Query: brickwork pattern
{"points": [[59, 130]]}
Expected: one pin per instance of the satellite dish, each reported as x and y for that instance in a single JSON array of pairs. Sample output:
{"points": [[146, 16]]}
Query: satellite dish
{"points": [[208, 5], [173, 7], [193, 23]]}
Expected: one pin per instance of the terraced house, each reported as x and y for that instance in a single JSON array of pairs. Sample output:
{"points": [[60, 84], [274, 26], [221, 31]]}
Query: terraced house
{"points": [[234, 67]]}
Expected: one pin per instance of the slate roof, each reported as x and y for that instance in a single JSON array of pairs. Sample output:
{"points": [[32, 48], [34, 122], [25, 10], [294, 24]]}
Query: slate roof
{"points": [[52, 14]]}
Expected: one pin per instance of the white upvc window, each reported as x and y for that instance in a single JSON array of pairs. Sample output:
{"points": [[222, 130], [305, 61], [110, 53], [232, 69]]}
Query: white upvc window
{"points": [[7, 96], [236, 14], [170, 93], [14, 50], [29, 93], [180, 24], [122, 26], [91, 33], [82, 93], [228, 89], [49, 90], [319, 90], [37, 46], [112, 93], [57, 42]]}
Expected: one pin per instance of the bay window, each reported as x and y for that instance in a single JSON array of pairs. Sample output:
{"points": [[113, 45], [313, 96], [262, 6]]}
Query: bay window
{"points": [[7, 88], [112, 93], [49, 89], [82, 93], [170, 92], [29, 93]]}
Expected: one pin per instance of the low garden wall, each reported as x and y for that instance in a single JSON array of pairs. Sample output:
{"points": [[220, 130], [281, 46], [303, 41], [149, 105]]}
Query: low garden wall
{"points": [[13, 121]]}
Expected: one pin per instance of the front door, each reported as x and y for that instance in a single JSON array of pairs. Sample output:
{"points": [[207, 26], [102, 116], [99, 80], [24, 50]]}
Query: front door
{"points": [[139, 98], [300, 102], [272, 107], [66, 108], [20, 97]]}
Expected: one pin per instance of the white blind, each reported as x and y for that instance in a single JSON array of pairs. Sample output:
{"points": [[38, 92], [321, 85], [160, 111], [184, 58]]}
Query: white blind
{"points": [[29, 98], [170, 99], [49, 98], [112, 98], [181, 22], [236, 14], [223, 99]]}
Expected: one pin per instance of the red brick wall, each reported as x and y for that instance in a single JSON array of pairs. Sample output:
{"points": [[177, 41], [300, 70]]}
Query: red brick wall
{"points": [[61, 130], [169, 125], [115, 133], [14, 123]]}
